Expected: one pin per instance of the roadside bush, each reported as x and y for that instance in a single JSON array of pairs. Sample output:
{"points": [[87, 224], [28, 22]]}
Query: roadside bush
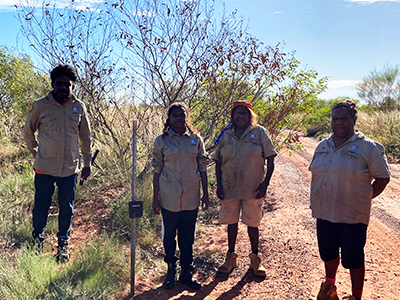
{"points": [[383, 127]]}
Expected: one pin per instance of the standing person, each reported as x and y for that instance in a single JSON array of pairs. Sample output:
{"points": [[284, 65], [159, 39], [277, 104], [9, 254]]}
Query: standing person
{"points": [[343, 167], [242, 181], [180, 163], [63, 128]]}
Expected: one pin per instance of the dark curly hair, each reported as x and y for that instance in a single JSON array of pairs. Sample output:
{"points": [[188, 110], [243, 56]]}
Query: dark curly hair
{"points": [[348, 105], [63, 70], [184, 107]]}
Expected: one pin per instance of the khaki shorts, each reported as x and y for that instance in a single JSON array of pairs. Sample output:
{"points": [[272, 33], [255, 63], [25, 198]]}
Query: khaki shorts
{"points": [[252, 211]]}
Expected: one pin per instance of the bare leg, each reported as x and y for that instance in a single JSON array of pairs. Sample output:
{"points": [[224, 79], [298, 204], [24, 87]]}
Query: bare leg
{"points": [[232, 234], [357, 281], [331, 267], [253, 236]]}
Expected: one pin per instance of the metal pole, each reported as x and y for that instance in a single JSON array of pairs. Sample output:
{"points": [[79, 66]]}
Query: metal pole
{"points": [[133, 220]]}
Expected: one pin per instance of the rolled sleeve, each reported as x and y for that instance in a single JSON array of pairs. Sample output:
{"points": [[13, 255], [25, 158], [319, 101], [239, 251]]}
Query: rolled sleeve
{"points": [[268, 147], [217, 152], [377, 162], [31, 125], [158, 160], [202, 157]]}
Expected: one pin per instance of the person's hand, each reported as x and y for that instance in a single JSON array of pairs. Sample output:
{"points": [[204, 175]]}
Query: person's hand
{"points": [[86, 171], [220, 192], [156, 206], [261, 190], [85, 174], [205, 202]]}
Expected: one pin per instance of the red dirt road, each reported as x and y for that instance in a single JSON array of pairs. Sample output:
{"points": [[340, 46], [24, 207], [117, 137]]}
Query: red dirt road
{"points": [[289, 246]]}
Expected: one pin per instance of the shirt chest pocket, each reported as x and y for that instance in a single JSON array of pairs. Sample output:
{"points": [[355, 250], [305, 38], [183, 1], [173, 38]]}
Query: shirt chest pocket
{"points": [[320, 159], [48, 123], [353, 162], [192, 150], [227, 150], [252, 148], [170, 154], [73, 123]]}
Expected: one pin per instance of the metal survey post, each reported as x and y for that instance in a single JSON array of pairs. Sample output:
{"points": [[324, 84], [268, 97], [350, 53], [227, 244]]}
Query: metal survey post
{"points": [[135, 207]]}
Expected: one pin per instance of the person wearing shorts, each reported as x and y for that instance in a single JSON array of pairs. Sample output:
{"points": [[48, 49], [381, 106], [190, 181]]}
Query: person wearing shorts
{"points": [[348, 170], [242, 180]]}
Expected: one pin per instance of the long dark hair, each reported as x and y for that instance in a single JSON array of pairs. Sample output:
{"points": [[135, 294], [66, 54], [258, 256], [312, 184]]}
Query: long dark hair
{"points": [[184, 107], [253, 116]]}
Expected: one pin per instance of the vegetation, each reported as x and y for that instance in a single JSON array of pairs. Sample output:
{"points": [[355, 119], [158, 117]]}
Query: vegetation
{"points": [[131, 67], [382, 126], [96, 273], [381, 89]]}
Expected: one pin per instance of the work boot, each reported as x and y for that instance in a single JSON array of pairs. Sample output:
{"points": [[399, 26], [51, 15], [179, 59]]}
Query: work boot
{"points": [[327, 292], [229, 264], [255, 264], [187, 279], [62, 250], [169, 282]]}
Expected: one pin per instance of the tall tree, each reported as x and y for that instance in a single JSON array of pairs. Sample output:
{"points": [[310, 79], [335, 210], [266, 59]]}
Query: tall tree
{"points": [[141, 55], [20, 84], [381, 88]]}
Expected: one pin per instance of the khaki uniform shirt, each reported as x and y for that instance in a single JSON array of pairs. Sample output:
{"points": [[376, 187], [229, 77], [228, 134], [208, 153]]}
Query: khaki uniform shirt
{"points": [[243, 161], [179, 159], [341, 189], [61, 130]]}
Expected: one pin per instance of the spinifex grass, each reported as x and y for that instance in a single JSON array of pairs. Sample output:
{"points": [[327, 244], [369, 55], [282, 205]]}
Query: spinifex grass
{"points": [[98, 271]]}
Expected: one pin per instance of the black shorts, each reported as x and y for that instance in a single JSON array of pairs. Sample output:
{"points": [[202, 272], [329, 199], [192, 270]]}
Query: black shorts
{"points": [[351, 238]]}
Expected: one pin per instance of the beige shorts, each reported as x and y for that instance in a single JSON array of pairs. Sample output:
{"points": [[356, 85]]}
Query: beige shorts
{"points": [[252, 211]]}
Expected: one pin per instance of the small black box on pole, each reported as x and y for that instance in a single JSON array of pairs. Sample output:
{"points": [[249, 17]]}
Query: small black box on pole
{"points": [[135, 209]]}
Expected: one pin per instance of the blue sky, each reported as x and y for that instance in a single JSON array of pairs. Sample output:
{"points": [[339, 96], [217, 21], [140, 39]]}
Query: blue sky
{"points": [[341, 39]]}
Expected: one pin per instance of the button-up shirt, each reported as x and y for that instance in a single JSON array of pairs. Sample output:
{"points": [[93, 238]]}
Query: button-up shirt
{"points": [[179, 159], [341, 189], [62, 130], [243, 161]]}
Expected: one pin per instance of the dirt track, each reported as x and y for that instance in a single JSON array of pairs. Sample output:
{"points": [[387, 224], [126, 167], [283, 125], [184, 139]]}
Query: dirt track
{"points": [[289, 248]]}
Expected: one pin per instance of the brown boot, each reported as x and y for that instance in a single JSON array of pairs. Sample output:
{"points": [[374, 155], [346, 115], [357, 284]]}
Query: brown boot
{"points": [[229, 264], [327, 292], [255, 264]]}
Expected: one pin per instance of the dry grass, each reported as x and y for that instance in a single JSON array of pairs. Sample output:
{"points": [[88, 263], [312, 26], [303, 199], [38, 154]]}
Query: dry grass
{"points": [[383, 127]]}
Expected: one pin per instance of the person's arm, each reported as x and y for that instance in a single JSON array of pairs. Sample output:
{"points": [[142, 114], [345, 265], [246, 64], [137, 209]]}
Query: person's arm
{"points": [[85, 145], [218, 174], [31, 125], [156, 189], [379, 185], [205, 200], [262, 188]]}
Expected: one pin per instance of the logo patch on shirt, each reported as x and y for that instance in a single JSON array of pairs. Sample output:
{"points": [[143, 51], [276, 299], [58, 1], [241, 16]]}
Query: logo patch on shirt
{"points": [[193, 142], [75, 109], [253, 136], [353, 148], [31, 108]]}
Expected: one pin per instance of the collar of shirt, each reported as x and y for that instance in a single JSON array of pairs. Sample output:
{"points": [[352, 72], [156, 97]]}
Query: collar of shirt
{"points": [[357, 135], [171, 132], [231, 131], [70, 99]]}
